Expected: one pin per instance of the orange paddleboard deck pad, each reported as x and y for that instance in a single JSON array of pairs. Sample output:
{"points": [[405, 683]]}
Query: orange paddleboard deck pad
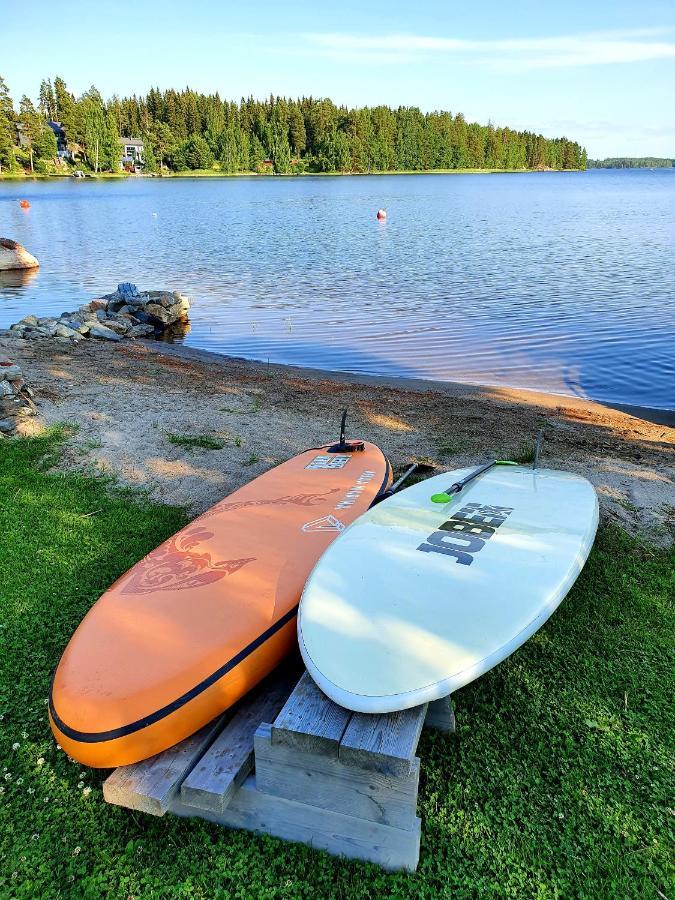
{"points": [[203, 618]]}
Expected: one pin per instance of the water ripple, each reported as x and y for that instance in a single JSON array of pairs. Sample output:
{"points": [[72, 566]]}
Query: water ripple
{"points": [[562, 282]]}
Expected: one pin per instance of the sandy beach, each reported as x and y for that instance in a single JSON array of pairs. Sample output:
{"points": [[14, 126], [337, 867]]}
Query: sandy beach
{"points": [[124, 401]]}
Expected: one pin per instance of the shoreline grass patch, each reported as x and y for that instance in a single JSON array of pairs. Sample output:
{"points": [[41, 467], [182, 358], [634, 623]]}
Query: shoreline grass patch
{"points": [[558, 783], [195, 441]]}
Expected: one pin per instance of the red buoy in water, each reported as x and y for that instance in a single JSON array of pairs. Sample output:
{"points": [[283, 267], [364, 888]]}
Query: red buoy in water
{"points": [[24, 204], [382, 214]]}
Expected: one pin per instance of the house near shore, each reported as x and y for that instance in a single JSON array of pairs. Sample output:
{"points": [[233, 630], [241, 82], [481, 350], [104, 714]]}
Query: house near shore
{"points": [[132, 151], [62, 149], [22, 136]]}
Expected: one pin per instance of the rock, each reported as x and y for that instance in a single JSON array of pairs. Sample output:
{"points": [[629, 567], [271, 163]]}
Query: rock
{"points": [[127, 289], [6, 389], [29, 320], [119, 327], [9, 373], [138, 331], [14, 256], [177, 312], [8, 407], [103, 332], [64, 331], [168, 299], [7, 426], [94, 305], [46, 321], [158, 314]]}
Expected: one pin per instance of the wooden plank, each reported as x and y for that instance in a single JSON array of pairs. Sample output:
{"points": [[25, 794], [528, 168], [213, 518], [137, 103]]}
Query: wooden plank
{"points": [[251, 809], [441, 715], [150, 785], [324, 781], [310, 721], [383, 743], [229, 760]]}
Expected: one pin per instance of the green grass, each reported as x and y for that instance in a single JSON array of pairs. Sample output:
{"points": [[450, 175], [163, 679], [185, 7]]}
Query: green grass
{"points": [[557, 785], [195, 441]]}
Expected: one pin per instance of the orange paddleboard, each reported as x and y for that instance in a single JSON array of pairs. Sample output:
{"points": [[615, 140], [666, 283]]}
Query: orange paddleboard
{"points": [[204, 617]]}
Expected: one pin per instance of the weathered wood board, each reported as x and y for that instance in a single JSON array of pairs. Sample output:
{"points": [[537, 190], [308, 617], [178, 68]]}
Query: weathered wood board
{"points": [[229, 760], [327, 783], [289, 762], [150, 785], [385, 743], [310, 721], [341, 835], [441, 716]]}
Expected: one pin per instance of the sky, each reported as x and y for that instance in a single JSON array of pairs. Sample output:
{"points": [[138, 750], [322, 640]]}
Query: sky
{"points": [[601, 72]]}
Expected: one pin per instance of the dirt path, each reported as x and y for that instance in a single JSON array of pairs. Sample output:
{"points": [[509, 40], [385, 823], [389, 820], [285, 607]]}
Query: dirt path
{"points": [[128, 398]]}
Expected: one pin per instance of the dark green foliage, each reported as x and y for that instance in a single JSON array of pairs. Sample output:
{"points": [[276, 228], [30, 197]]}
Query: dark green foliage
{"points": [[194, 153], [558, 783], [66, 111], [7, 127], [47, 100], [632, 162], [187, 130]]}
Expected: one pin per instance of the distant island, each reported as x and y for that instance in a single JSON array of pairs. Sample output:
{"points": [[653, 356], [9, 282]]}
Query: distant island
{"points": [[632, 162], [173, 132]]}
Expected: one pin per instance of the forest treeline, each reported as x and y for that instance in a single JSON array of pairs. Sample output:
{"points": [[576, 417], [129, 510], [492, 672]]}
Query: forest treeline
{"points": [[188, 130], [632, 162]]}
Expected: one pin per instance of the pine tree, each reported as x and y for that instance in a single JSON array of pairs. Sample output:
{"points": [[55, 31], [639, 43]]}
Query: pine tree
{"points": [[279, 148], [47, 100], [65, 109], [7, 128]]}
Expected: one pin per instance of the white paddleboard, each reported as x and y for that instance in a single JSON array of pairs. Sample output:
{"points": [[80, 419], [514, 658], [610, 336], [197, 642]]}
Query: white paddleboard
{"points": [[416, 599]]}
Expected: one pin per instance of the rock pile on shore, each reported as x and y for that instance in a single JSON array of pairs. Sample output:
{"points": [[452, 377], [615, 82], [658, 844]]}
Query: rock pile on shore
{"points": [[16, 398], [126, 313]]}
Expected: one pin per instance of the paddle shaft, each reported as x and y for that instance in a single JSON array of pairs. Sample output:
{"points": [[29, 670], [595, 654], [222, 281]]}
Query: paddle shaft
{"points": [[462, 483], [396, 485]]}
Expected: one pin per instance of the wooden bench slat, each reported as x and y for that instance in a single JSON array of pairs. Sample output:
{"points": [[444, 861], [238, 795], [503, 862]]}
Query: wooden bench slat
{"points": [[229, 760], [310, 721], [441, 715], [324, 781], [150, 785], [384, 743], [391, 848]]}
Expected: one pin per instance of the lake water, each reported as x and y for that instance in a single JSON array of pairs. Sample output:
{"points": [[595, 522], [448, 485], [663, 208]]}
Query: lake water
{"points": [[561, 282]]}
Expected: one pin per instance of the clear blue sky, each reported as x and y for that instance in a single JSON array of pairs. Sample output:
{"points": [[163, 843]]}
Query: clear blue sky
{"points": [[600, 71]]}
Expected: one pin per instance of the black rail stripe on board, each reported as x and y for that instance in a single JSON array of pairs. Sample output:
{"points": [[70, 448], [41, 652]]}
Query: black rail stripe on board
{"points": [[95, 737]]}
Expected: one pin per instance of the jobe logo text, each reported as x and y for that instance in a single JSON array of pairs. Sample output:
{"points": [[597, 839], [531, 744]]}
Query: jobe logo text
{"points": [[466, 532]]}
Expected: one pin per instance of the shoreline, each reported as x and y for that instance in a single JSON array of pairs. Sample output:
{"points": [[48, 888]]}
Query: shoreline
{"points": [[206, 173], [651, 414], [189, 426]]}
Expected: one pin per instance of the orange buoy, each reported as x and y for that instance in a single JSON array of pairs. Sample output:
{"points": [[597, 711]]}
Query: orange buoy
{"points": [[24, 204], [382, 214]]}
